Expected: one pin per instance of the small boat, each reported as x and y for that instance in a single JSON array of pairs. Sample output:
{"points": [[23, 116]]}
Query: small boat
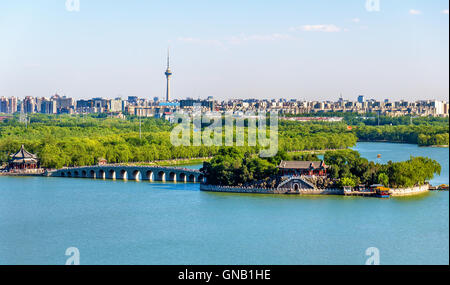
{"points": [[381, 191], [379, 156], [443, 187]]}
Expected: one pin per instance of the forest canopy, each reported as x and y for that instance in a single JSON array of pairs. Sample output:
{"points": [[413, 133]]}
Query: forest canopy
{"points": [[77, 140]]}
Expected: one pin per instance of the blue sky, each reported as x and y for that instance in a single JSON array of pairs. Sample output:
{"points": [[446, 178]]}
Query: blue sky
{"points": [[226, 49]]}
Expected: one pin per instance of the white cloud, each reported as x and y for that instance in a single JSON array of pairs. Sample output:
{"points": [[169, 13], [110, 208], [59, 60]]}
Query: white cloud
{"points": [[445, 12], [415, 12], [356, 20], [318, 28]]}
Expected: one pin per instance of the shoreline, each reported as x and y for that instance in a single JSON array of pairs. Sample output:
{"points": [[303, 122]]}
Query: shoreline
{"points": [[394, 192], [397, 142]]}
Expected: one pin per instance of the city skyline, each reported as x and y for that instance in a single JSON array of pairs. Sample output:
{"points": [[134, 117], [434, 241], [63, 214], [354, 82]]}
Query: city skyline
{"points": [[301, 52], [134, 105]]}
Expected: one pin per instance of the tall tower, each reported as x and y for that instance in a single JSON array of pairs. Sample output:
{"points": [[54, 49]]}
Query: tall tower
{"points": [[168, 74]]}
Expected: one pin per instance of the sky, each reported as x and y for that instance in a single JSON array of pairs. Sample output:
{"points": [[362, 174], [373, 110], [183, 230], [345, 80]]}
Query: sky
{"points": [[306, 50]]}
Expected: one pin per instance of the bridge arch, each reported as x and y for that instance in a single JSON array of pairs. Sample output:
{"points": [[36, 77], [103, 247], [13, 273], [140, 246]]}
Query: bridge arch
{"points": [[192, 178], [101, 174], [161, 176], [63, 174], [136, 175], [92, 174], [69, 174], [182, 177], [148, 176], [123, 174], [200, 178], [172, 177], [84, 174], [112, 174], [76, 173]]}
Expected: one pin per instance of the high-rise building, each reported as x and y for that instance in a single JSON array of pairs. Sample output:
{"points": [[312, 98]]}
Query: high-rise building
{"points": [[38, 102], [29, 105], [438, 107], [168, 74], [116, 105], [48, 106], [4, 106], [12, 105], [133, 99], [361, 99]]}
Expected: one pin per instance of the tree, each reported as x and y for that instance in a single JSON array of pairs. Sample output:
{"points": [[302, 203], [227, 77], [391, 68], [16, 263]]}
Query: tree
{"points": [[383, 179], [347, 181]]}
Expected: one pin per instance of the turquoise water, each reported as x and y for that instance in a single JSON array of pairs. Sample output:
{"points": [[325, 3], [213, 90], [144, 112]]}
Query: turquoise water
{"points": [[401, 152], [115, 222]]}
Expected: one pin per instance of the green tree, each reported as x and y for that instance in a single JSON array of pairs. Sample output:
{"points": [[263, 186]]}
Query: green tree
{"points": [[383, 179], [347, 181]]}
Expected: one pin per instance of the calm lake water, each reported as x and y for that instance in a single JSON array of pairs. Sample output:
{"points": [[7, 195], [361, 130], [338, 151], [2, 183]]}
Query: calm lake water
{"points": [[115, 222]]}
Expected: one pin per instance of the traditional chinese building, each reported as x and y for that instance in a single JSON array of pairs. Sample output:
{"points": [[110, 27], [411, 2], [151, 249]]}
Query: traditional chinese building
{"points": [[102, 161], [23, 160], [298, 168]]}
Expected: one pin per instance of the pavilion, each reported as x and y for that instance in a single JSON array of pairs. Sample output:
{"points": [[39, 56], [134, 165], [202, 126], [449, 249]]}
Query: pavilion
{"points": [[23, 160], [307, 168]]}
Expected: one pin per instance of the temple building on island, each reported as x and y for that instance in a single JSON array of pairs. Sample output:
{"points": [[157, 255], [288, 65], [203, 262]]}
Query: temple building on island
{"points": [[299, 168], [23, 160]]}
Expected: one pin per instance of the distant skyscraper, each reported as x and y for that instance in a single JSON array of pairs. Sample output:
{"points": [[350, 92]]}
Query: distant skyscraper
{"points": [[168, 75], [12, 105], [133, 99], [361, 99]]}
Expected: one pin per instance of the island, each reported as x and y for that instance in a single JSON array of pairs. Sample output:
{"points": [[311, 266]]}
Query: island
{"points": [[342, 172]]}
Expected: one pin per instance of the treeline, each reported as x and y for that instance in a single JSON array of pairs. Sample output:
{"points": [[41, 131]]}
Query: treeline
{"points": [[318, 135], [423, 134], [81, 140], [232, 167], [435, 139], [351, 169], [373, 119], [424, 131], [77, 140]]}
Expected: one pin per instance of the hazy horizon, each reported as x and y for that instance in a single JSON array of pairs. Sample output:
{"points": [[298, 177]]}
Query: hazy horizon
{"points": [[305, 50]]}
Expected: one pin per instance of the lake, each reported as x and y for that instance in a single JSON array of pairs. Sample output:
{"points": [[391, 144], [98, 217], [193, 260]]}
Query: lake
{"points": [[116, 222]]}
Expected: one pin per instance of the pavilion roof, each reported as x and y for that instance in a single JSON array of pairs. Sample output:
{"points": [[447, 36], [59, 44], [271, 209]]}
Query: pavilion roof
{"points": [[23, 156], [302, 165]]}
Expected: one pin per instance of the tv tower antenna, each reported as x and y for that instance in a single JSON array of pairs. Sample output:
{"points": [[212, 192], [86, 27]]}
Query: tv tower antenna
{"points": [[168, 74]]}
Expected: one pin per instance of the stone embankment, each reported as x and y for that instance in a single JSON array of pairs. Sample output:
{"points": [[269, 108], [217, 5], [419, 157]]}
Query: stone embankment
{"points": [[410, 191], [331, 191], [230, 189]]}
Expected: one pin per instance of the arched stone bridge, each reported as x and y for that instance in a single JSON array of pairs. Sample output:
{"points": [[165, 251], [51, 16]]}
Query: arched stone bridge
{"points": [[137, 173]]}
